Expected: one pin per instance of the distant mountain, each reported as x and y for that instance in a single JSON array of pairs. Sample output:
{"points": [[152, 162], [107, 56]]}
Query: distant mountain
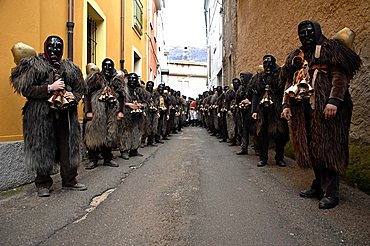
{"points": [[187, 54]]}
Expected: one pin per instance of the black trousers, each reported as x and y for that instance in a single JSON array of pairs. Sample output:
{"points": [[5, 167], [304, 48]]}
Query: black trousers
{"points": [[326, 180], [106, 152], [264, 139], [245, 130], [162, 125], [238, 126], [67, 172], [223, 126]]}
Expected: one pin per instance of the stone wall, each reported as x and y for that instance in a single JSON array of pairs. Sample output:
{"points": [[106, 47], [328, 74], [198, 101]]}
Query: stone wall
{"points": [[270, 27], [13, 171], [229, 41]]}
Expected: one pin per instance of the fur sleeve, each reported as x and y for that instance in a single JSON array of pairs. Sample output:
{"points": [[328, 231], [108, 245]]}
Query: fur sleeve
{"points": [[29, 72], [336, 53], [141, 93], [94, 82], [73, 79]]}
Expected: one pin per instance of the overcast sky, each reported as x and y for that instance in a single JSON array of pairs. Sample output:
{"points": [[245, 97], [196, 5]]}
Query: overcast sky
{"points": [[184, 24]]}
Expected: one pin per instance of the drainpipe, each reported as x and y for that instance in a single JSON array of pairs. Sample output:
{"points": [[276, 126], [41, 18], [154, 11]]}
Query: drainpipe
{"points": [[122, 61], [70, 26]]}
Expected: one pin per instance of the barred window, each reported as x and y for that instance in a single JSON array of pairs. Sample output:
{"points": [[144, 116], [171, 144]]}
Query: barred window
{"points": [[91, 40], [138, 16]]}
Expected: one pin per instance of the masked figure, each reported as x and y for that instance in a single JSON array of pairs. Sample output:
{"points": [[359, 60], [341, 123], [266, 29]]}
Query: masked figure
{"points": [[176, 121], [152, 115], [232, 114], [244, 98], [172, 111], [134, 115], [53, 87], [320, 121], [216, 115], [222, 113], [199, 110], [185, 112], [207, 109], [162, 109], [209, 106], [180, 111], [266, 110], [103, 110]]}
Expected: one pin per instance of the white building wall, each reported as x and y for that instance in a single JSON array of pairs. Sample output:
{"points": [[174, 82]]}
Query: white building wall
{"points": [[161, 43], [188, 77], [214, 41]]}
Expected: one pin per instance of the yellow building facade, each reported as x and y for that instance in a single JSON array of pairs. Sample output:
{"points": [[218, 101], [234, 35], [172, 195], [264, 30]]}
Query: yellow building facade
{"points": [[96, 35]]}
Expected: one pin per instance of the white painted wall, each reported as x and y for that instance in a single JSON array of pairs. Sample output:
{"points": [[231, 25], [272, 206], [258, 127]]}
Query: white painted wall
{"points": [[214, 41], [188, 77], [161, 42]]}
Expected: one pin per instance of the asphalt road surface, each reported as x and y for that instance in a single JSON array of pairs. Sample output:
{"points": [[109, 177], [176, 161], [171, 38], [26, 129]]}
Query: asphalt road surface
{"points": [[192, 190]]}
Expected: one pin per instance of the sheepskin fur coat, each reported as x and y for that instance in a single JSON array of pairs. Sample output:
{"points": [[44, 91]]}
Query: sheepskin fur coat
{"points": [[31, 78]]}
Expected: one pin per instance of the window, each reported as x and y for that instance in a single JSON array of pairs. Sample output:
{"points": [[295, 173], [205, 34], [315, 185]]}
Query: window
{"points": [[138, 16], [95, 42], [91, 40], [137, 64]]}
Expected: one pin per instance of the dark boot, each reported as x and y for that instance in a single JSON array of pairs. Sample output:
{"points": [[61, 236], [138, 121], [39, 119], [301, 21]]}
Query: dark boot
{"points": [[75, 187], [328, 202], [281, 163], [124, 155], [262, 163], [134, 152], [110, 163], [43, 192], [314, 192], [242, 152], [43, 184], [91, 165], [157, 139]]}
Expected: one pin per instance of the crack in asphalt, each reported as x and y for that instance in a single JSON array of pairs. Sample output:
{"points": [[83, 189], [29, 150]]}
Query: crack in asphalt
{"points": [[95, 202], [99, 199]]}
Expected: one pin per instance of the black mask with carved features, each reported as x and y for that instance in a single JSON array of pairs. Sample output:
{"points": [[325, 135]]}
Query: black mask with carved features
{"points": [[219, 90], [245, 77], [108, 68], [132, 80], [310, 34], [149, 86], [236, 83], [161, 88], [167, 88], [269, 64], [53, 50]]}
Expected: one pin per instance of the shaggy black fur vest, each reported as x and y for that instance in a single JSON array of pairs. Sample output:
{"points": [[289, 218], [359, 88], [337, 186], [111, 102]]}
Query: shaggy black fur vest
{"points": [[102, 130], [134, 122], [277, 127], [30, 78]]}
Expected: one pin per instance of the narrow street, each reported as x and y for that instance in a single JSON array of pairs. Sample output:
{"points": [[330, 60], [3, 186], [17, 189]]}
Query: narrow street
{"points": [[192, 190]]}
